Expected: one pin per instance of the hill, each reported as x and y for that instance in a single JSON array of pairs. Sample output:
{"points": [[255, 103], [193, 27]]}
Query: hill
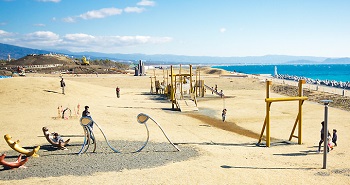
{"points": [[166, 59], [42, 60], [54, 63], [16, 52]]}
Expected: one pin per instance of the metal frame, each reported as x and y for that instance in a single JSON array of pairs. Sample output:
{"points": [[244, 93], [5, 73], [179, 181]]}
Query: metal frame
{"points": [[298, 120]]}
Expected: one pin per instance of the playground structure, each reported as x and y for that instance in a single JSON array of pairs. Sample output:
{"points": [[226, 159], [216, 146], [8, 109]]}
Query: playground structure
{"points": [[300, 98], [67, 112], [17, 164], [181, 84], [48, 137], [15, 146], [159, 87], [183, 89], [89, 137]]}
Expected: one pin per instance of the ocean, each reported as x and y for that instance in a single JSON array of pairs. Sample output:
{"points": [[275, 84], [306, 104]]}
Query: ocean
{"points": [[337, 72]]}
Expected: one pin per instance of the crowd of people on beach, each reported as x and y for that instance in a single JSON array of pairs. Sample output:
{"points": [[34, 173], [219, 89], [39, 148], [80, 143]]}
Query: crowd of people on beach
{"points": [[330, 83]]}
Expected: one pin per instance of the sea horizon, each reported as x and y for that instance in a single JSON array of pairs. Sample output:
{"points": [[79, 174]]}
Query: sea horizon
{"points": [[331, 72]]}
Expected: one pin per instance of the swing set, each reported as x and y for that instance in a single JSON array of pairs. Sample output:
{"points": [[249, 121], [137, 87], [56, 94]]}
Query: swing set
{"points": [[300, 98]]}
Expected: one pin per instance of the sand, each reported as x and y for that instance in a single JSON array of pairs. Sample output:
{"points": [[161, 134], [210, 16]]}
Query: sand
{"points": [[227, 152]]}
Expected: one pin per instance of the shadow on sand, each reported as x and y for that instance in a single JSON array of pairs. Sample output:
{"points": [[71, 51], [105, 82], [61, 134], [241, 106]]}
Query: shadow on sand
{"points": [[51, 91], [265, 168]]}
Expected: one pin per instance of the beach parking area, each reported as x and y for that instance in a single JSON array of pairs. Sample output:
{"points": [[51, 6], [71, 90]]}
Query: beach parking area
{"points": [[221, 152]]}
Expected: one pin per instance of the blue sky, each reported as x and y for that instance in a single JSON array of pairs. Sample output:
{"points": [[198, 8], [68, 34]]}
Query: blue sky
{"points": [[181, 27]]}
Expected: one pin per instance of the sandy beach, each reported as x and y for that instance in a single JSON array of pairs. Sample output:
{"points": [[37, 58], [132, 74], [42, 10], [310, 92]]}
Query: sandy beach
{"points": [[227, 151]]}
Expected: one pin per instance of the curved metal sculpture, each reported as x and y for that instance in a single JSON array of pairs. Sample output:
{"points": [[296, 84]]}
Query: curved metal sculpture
{"points": [[143, 118], [47, 135], [87, 123], [15, 146], [17, 164]]}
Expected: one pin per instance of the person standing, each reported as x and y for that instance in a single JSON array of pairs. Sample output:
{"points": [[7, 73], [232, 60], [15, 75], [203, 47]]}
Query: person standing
{"points": [[322, 138], [335, 137], [223, 114], [118, 91], [86, 113], [221, 94], [63, 84]]}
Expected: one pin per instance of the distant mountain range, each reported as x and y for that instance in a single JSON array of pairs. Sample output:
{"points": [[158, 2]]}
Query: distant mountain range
{"points": [[17, 52]]}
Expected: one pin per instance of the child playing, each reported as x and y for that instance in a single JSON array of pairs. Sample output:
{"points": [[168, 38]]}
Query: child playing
{"points": [[335, 137], [57, 138], [223, 115], [330, 143]]}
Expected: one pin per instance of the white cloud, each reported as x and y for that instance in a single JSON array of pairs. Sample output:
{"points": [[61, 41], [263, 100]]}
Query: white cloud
{"points": [[38, 39], [222, 30], [78, 38], [84, 42], [4, 33], [146, 3], [40, 25], [69, 19], [101, 13], [54, 1], [79, 41], [42, 35], [133, 10]]}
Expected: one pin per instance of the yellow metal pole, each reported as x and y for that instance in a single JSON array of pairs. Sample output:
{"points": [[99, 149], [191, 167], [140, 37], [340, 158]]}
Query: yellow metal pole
{"points": [[199, 80], [196, 84], [167, 83], [181, 95], [191, 91], [262, 131], [301, 82], [268, 83], [172, 87], [293, 130], [151, 85], [154, 74], [167, 77], [163, 76]]}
